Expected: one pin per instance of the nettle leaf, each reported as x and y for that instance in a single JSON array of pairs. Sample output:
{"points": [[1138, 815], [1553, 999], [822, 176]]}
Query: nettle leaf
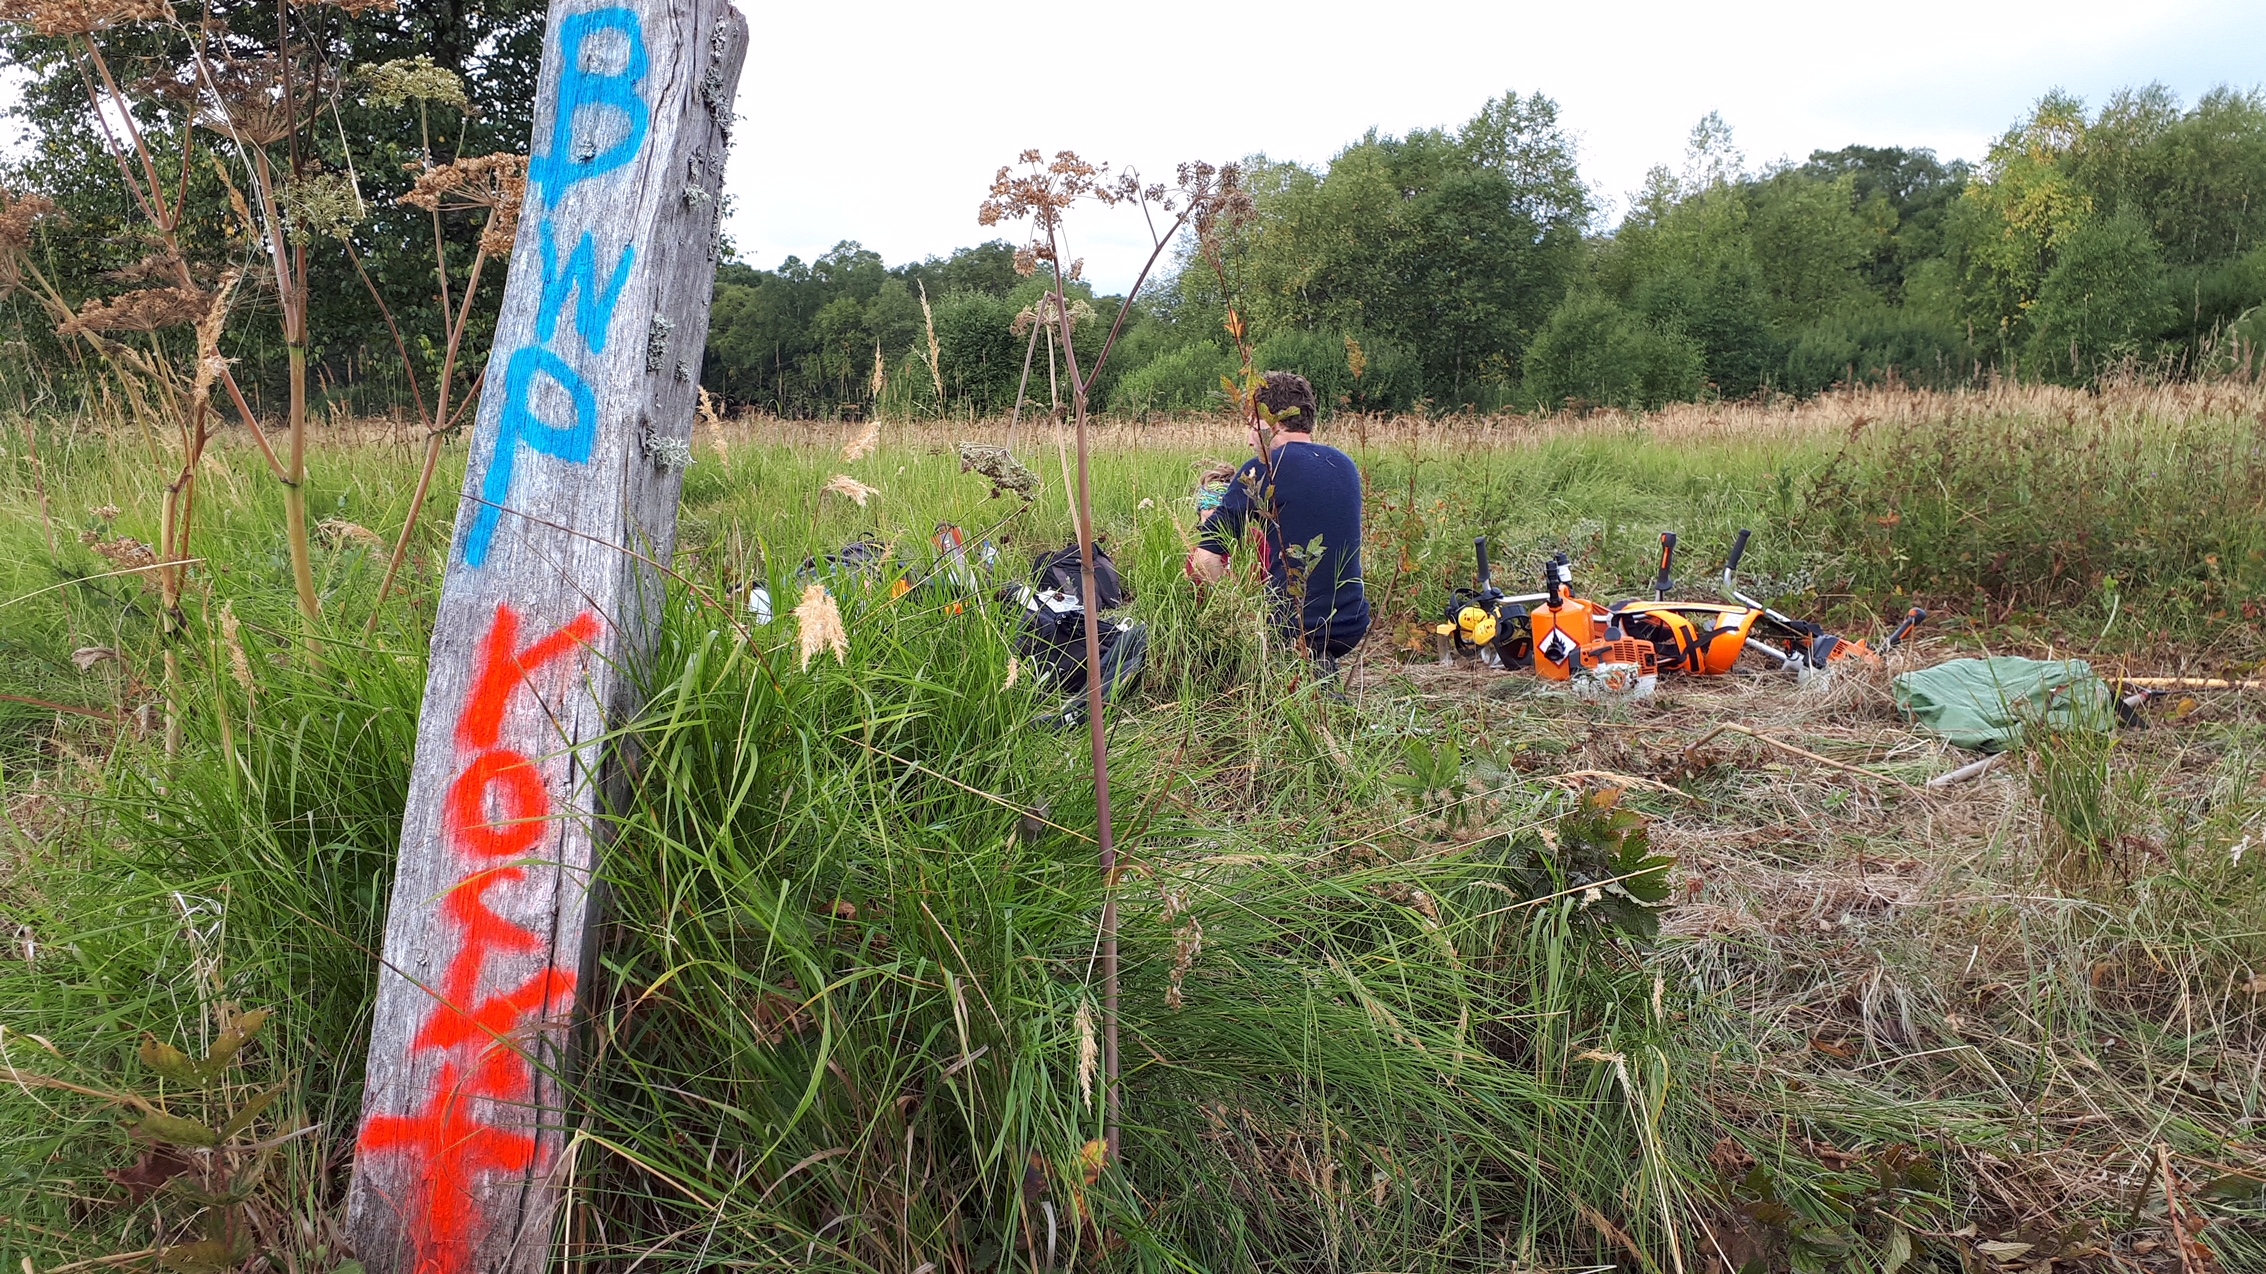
{"points": [[1898, 1251], [198, 1258], [170, 1063], [232, 1040], [242, 1119], [174, 1130]]}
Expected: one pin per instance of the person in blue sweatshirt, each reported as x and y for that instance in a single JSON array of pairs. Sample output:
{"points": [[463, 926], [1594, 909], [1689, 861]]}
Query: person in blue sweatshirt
{"points": [[1306, 498]]}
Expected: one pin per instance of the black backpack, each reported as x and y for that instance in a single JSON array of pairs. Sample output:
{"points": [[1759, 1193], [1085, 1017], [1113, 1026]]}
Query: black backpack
{"points": [[1055, 640], [1059, 572]]}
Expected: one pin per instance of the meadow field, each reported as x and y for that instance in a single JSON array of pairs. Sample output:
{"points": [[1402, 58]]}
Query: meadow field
{"points": [[1401, 992]]}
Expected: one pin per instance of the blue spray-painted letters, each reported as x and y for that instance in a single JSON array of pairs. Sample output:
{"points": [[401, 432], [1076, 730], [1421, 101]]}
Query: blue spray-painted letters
{"points": [[598, 125], [586, 96], [571, 442], [593, 305]]}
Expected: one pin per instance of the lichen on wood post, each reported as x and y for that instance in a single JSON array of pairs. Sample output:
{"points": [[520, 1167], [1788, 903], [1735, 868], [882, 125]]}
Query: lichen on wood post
{"points": [[550, 603]]}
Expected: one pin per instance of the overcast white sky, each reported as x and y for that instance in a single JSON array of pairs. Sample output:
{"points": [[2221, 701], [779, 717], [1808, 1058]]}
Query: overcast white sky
{"points": [[883, 122]]}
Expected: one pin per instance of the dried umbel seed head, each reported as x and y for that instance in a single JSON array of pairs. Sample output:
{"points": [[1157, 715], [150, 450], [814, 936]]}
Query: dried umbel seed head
{"points": [[81, 17], [145, 310], [20, 217], [1007, 474], [245, 98], [497, 183], [1048, 311]]}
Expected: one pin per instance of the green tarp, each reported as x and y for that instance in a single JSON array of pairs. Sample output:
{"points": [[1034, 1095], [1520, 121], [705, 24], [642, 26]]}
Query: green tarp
{"points": [[1985, 704]]}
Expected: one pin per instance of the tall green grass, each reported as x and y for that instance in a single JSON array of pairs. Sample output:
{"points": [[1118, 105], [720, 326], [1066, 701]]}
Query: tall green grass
{"points": [[850, 971]]}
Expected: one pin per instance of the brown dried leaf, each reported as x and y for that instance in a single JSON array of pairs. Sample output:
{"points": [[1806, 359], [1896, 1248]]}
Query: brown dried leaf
{"points": [[158, 1165], [86, 657], [338, 533]]}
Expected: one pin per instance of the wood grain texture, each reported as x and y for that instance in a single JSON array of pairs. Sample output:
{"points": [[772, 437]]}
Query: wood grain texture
{"points": [[548, 611]]}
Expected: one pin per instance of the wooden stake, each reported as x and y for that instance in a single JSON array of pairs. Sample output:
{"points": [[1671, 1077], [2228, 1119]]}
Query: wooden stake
{"points": [[2191, 683], [550, 603]]}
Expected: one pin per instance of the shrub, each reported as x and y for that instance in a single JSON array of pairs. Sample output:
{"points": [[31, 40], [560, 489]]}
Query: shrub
{"points": [[1872, 345], [2107, 300], [1593, 351], [978, 353], [1184, 379], [1389, 381]]}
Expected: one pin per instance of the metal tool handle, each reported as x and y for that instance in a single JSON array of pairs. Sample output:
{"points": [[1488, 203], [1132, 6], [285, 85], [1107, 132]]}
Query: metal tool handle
{"points": [[1663, 585], [1479, 550]]}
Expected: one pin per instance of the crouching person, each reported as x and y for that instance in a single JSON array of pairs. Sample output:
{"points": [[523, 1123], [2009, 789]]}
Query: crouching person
{"points": [[1306, 499]]}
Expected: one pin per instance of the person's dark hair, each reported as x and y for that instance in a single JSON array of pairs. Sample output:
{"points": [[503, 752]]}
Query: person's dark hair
{"points": [[1291, 399]]}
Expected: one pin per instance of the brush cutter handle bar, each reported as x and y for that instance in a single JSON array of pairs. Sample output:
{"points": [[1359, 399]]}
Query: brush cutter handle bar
{"points": [[1913, 618], [1479, 550], [1738, 550], [1663, 585]]}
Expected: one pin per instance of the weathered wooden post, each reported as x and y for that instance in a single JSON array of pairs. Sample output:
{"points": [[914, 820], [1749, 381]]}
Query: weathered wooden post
{"points": [[549, 604]]}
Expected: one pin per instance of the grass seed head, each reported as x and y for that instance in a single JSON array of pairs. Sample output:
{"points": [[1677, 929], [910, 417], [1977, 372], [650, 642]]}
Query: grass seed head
{"points": [[1089, 1053], [850, 489], [232, 635], [818, 623]]}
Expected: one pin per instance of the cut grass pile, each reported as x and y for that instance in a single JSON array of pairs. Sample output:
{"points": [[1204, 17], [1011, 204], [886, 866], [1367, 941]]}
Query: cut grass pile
{"points": [[1373, 1017]]}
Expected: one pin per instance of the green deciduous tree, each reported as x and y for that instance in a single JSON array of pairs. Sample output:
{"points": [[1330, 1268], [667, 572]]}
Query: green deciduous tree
{"points": [[1453, 245], [2106, 300]]}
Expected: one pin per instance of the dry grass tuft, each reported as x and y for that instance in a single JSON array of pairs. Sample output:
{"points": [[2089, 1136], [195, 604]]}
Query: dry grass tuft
{"points": [[818, 626], [850, 489]]}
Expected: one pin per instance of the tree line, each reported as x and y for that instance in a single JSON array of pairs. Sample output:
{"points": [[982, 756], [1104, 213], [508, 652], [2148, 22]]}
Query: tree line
{"points": [[1441, 269], [1470, 267]]}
